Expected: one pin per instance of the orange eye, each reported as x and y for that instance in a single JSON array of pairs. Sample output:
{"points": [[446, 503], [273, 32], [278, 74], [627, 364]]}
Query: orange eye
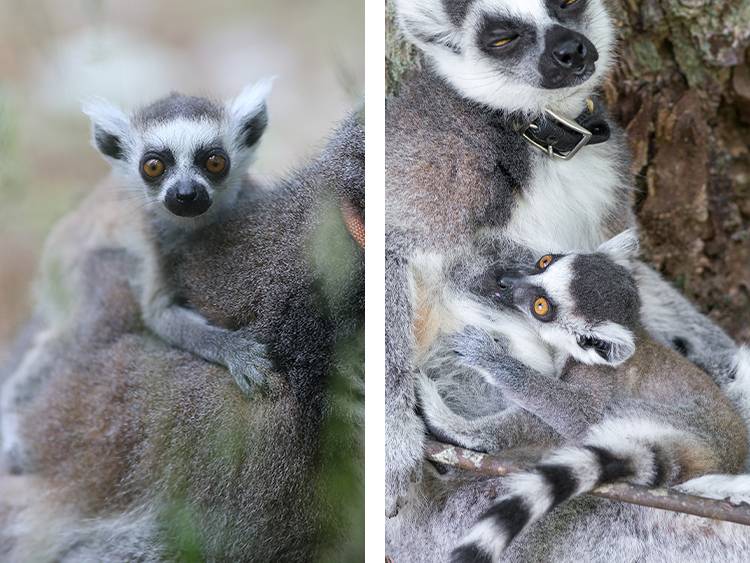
{"points": [[567, 3], [216, 163], [544, 261], [153, 168], [541, 307]]}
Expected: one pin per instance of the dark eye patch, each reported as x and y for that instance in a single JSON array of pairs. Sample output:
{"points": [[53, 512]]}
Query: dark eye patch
{"points": [[557, 10], [495, 28], [202, 155], [165, 155]]}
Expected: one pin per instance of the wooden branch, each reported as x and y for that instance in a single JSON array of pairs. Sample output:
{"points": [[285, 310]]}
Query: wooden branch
{"points": [[664, 499]]}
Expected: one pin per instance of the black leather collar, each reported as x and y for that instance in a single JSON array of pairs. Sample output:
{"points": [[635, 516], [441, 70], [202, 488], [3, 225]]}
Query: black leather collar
{"points": [[562, 138]]}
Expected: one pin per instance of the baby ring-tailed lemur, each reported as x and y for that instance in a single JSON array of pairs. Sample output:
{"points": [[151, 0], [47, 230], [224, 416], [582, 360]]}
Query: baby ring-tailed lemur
{"points": [[187, 157], [629, 408], [184, 159]]}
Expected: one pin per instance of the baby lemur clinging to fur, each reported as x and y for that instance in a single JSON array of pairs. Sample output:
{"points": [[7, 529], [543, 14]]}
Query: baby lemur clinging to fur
{"points": [[187, 157], [183, 160], [634, 410]]}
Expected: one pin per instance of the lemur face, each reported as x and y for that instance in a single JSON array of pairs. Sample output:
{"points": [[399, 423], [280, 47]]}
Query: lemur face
{"points": [[585, 304], [186, 156], [513, 54]]}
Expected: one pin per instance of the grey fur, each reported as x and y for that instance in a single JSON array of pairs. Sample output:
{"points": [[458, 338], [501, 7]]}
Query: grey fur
{"points": [[187, 456], [603, 290], [457, 10], [453, 168], [178, 105], [587, 398], [581, 407], [123, 140]]}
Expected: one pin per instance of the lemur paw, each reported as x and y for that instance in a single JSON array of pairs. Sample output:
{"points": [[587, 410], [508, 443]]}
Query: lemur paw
{"points": [[247, 362], [476, 348], [404, 457]]}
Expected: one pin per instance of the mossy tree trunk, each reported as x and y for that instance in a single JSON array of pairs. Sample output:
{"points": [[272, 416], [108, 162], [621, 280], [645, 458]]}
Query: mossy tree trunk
{"points": [[682, 91]]}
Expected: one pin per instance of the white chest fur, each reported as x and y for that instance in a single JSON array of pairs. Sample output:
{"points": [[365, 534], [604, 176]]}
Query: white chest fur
{"points": [[566, 204]]}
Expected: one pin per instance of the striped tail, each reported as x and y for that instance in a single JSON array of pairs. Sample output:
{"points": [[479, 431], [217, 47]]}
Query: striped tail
{"points": [[638, 451]]}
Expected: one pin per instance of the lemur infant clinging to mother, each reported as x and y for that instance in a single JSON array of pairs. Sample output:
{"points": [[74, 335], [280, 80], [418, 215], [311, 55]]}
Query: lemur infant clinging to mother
{"points": [[187, 157], [184, 160], [635, 410]]}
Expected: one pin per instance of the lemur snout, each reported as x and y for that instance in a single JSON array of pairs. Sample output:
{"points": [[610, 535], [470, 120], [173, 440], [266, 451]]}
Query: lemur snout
{"points": [[570, 53], [187, 199], [569, 58], [499, 285]]}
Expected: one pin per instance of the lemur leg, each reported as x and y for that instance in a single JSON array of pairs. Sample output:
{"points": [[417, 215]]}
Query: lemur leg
{"points": [[181, 327], [510, 428], [672, 320], [568, 409], [404, 429]]}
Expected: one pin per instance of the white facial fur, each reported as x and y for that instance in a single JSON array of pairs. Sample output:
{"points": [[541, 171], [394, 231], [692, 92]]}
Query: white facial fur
{"points": [[183, 137], [457, 57]]}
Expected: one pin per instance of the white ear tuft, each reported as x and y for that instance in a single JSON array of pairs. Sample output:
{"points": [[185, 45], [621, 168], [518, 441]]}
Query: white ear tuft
{"points": [[622, 248], [110, 127], [617, 343], [427, 24], [247, 112]]}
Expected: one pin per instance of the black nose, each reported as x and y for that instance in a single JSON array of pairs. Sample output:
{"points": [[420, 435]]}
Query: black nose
{"points": [[186, 193], [571, 54], [506, 282], [187, 199], [569, 58]]}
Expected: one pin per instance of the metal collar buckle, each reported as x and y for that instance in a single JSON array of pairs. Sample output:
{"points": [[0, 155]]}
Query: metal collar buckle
{"points": [[564, 122]]}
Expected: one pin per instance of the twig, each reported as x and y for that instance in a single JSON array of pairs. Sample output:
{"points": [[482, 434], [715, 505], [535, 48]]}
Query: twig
{"points": [[664, 499]]}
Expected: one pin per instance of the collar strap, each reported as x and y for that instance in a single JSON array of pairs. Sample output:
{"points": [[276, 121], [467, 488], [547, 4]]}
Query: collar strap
{"points": [[562, 138], [355, 222]]}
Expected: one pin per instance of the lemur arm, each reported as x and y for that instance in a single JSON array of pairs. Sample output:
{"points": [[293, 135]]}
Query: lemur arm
{"points": [[181, 327], [672, 320], [510, 428], [568, 409], [404, 429]]}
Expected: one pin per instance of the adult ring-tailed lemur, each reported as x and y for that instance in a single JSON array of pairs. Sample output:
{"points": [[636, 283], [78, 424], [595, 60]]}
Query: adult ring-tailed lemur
{"points": [[488, 142]]}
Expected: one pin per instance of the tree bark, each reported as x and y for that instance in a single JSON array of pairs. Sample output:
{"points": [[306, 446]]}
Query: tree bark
{"points": [[681, 90]]}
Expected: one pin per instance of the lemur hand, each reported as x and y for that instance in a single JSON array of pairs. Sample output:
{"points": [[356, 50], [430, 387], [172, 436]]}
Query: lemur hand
{"points": [[246, 360], [477, 348]]}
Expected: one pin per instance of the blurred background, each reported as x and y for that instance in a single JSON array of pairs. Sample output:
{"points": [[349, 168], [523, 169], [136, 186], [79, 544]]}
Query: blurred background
{"points": [[54, 53]]}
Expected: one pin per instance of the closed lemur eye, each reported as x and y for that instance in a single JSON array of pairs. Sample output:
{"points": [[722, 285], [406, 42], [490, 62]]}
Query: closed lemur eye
{"points": [[503, 41]]}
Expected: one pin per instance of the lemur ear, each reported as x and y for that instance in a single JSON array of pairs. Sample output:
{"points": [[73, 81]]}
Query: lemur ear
{"points": [[611, 342], [622, 248], [248, 114], [110, 127], [428, 24]]}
